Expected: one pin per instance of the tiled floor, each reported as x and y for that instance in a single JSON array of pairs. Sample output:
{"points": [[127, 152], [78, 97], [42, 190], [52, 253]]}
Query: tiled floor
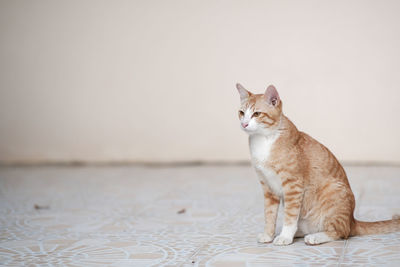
{"points": [[129, 216]]}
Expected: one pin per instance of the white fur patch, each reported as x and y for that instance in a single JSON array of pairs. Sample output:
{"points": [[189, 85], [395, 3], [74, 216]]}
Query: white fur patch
{"points": [[260, 150], [286, 236], [289, 230], [247, 115], [317, 238]]}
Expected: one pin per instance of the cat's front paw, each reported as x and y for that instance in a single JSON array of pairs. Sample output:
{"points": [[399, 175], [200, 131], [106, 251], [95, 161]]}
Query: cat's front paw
{"points": [[282, 240], [264, 238]]}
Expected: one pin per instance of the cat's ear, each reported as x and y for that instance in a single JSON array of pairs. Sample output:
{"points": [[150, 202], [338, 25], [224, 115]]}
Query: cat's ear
{"points": [[244, 94], [271, 96]]}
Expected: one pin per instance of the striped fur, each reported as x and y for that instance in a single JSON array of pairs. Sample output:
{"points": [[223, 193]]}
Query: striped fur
{"points": [[297, 170]]}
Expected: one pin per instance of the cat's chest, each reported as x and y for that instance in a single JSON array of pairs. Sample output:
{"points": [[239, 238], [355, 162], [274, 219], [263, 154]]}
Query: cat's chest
{"points": [[260, 151], [261, 148]]}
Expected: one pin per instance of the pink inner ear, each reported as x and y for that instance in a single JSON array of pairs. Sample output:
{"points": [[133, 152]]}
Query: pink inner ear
{"points": [[242, 91], [272, 96]]}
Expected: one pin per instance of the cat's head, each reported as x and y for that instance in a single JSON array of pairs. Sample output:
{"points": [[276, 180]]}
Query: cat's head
{"points": [[259, 113]]}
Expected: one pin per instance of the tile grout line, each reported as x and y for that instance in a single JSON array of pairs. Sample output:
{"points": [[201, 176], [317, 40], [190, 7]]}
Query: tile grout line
{"points": [[343, 252], [196, 252], [192, 257]]}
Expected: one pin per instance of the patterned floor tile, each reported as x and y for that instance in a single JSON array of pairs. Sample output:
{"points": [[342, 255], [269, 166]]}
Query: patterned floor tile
{"points": [[187, 216]]}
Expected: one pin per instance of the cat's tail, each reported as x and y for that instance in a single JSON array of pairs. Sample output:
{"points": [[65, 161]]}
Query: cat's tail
{"points": [[372, 228]]}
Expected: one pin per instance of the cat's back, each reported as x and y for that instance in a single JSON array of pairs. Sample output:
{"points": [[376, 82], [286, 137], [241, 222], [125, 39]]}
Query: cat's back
{"points": [[321, 162]]}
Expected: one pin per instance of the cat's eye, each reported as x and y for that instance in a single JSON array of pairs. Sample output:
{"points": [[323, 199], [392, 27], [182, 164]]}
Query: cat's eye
{"points": [[256, 114], [241, 113]]}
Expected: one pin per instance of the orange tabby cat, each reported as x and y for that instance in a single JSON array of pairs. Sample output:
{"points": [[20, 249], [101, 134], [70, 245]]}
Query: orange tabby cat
{"points": [[302, 173]]}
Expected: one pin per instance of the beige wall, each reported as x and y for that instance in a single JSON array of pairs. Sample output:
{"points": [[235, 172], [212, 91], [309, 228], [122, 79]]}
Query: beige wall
{"points": [[154, 80]]}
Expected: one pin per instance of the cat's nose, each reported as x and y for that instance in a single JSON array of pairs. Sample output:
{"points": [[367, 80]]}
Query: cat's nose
{"points": [[244, 125]]}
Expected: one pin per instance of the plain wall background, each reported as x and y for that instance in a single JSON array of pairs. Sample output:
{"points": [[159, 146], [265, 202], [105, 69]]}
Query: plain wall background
{"points": [[155, 80]]}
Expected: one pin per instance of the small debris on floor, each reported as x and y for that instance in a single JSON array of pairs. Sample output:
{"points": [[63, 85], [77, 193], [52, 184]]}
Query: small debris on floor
{"points": [[181, 211], [41, 207]]}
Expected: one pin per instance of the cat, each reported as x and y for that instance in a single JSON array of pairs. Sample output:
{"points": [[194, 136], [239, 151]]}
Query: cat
{"points": [[294, 168]]}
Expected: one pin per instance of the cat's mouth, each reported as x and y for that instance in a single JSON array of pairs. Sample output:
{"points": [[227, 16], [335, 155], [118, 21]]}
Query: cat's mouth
{"points": [[246, 128]]}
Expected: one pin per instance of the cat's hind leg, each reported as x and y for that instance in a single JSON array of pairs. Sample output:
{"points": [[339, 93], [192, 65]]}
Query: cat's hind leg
{"points": [[335, 229], [321, 237], [304, 228]]}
